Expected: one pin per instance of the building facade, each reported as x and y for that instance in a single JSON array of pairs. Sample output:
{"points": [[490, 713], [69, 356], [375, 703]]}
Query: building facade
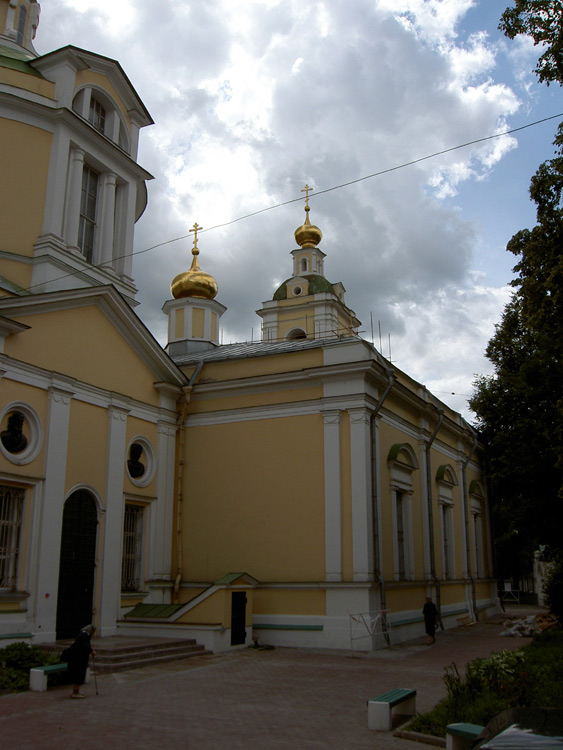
{"points": [[300, 490]]}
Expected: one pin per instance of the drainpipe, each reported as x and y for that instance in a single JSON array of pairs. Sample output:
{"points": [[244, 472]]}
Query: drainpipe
{"points": [[375, 527], [466, 513], [181, 424], [431, 517]]}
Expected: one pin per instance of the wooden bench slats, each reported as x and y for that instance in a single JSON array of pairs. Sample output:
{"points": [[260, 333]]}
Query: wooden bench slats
{"points": [[394, 697], [466, 731], [53, 668]]}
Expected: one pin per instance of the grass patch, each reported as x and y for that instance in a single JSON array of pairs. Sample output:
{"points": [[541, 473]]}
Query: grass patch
{"points": [[529, 677]]}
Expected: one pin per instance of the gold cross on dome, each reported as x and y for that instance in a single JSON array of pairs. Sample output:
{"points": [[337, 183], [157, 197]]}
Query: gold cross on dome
{"points": [[307, 190], [195, 229]]}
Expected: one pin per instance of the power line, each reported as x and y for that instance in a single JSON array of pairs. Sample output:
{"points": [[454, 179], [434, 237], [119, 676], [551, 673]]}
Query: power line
{"points": [[329, 190]]}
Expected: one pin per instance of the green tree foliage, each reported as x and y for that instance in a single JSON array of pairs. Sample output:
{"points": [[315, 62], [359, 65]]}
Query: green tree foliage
{"points": [[520, 408], [542, 20], [553, 587]]}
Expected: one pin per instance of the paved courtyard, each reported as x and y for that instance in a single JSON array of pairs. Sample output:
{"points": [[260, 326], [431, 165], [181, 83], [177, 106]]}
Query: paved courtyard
{"points": [[283, 698]]}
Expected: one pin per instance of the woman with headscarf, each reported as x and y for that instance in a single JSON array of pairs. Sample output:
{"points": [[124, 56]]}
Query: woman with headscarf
{"points": [[77, 657]]}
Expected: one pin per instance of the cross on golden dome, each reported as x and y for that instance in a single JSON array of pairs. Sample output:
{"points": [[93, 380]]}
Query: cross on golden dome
{"points": [[195, 229], [307, 190]]}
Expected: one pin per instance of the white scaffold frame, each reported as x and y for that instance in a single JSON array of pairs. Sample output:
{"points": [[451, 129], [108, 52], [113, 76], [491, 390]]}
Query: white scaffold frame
{"points": [[372, 625]]}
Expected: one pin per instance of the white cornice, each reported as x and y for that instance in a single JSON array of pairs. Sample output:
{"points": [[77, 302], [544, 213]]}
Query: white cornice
{"points": [[81, 59]]}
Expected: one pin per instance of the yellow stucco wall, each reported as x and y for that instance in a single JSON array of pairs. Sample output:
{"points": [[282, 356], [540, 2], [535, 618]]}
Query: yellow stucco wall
{"points": [[87, 347], [451, 593], [23, 186], [86, 463], [21, 80], [309, 602], [198, 322], [405, 597], [202, 403], [89, 77], [259, 366], [250, 488]]}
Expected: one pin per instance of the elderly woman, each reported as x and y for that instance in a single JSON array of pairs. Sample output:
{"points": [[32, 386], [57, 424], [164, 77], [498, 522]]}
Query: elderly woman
{"points": [[77, 657]]}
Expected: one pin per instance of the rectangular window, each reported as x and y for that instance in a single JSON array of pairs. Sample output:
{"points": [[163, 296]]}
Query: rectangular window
{"points": [[446, 541], [97, 115], [87, 223], [132, 547], [11, 512], [401, 536]]}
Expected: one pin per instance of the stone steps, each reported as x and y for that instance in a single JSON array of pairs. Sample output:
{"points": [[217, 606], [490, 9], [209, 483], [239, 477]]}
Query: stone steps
{"points": [[116, 657]]}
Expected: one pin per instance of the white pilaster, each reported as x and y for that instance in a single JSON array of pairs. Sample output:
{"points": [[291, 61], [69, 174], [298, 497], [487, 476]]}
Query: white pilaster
{"points": [[108, 218], [333, 503], [72, 217], [110, 588], [56, 442], [361, 494]]}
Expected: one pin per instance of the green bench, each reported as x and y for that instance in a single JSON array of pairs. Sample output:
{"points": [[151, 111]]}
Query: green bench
{"points": [[38, 675], [462, 736], [381, 708]]}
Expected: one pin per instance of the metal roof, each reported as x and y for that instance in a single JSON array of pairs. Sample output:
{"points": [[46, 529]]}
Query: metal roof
{"points": [[257, 349]]}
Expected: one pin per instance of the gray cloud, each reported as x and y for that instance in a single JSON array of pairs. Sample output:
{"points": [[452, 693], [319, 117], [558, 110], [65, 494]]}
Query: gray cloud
{"points": [[252, 100]]}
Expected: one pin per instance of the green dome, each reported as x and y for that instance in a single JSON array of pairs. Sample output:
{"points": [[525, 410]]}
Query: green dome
{"points": [[317, 285]]}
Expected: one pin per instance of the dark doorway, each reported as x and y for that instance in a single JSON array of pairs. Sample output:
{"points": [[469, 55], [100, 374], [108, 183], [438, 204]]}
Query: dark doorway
{"points": [[238, 618], [77, 564]]}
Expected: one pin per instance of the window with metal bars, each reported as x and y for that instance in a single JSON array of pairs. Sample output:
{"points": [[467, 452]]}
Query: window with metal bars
{"points": [[11, 512], [87, 223], [132, 547]]}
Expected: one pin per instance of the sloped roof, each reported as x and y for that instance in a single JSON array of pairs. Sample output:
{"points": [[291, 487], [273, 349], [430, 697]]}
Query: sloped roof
{"points": [[258, 349]]}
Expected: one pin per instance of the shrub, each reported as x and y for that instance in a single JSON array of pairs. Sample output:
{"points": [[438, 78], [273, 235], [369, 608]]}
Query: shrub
{"points": [[553, 587], [15, 662], [531, 676]]}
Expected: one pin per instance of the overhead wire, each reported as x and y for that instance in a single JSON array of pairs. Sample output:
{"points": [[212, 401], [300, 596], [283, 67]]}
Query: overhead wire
{"points": [[326, 190]]}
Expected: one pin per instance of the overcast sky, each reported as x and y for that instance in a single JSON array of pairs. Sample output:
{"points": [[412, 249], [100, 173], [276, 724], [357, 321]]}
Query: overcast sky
{"points": [[254, 98]]}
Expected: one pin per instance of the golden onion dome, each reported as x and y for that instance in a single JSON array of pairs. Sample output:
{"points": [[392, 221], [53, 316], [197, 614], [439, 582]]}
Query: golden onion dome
{"points": [[195, 282], [307, 235]]}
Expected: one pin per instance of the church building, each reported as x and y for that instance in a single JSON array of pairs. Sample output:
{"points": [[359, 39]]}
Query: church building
{"points": [[300, 490]]}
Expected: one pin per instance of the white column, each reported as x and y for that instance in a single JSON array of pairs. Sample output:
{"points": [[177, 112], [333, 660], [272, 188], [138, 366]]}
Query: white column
{"points": [[333, 502], [362, 527], [49, 547], [162, 509], [110, 588], [72, 217], [108, 219]]}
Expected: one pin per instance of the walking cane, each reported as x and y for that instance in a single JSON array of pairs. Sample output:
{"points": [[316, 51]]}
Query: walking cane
{"points": [[94, 671]]}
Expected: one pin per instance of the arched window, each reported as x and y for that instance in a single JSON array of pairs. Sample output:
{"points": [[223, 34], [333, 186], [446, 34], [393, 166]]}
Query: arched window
{"points": [[402, 462], [296, 334], [446, 480]]}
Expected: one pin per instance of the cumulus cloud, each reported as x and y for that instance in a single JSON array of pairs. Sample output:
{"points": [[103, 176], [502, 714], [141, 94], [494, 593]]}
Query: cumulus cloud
{"points": [[253, 99]]}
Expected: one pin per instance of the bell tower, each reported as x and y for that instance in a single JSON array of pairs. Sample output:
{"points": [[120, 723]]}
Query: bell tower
{"points": [[307, 305]]}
